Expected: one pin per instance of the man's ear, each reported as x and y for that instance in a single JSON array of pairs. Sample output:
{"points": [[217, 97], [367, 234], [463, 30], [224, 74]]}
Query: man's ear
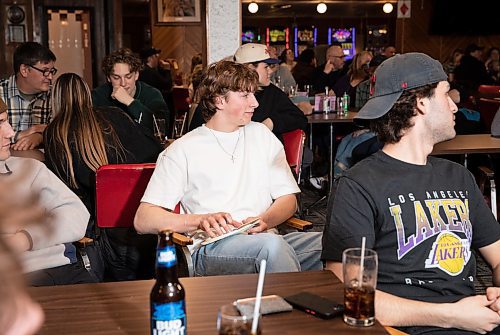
{"points": [[23, 70], [219, 102], [422, 104]]}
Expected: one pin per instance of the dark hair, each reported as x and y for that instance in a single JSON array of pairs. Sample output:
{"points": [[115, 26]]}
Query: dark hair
{"points": [[221, 78], [196, 77], [195, 61], [282, 57], [377, 60], [125, 56], [30, 53], [306, 56], [391, 126]]}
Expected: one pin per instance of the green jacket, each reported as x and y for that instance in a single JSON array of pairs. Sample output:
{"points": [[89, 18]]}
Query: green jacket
{"points": [[148, 101]]}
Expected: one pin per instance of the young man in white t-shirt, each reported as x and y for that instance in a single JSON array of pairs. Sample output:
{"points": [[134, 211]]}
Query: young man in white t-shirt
{"points": [[224, 174]]}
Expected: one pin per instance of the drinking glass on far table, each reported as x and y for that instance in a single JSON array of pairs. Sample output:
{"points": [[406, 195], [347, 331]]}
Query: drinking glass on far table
{"points": [[360, 282], [160, 130], [231, 322], [308, 89]]}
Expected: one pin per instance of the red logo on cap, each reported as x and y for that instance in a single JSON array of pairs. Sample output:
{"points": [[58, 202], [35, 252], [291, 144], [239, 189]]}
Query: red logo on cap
{"points": [[372, 84], [404, 85], [267, 52]]}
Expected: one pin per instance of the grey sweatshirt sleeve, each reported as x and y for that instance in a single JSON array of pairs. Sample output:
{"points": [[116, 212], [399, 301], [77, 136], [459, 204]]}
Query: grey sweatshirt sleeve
{"points": [[68, 215]]}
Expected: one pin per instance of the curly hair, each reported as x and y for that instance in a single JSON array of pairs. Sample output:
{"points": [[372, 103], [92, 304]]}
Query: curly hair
{"points": [[125, 56], [221, 78], [391, 126]]}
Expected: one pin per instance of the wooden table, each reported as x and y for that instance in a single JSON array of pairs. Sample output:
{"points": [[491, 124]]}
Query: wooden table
{"points": [[331, 118], [472, 144], [123, 307], [468, 144]]}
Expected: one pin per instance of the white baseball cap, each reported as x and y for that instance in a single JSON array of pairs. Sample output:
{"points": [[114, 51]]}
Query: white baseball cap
{"points": [[252, 53]]}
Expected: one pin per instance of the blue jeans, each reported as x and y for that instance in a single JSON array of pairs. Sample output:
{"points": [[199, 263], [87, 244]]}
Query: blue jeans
{"points": [[242, 254]]}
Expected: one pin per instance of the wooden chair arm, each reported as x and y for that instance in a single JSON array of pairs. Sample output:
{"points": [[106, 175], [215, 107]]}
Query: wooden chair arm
{"points": [[85, 240], [298, 223], [182, 240], [487, 171], [394, 331]]}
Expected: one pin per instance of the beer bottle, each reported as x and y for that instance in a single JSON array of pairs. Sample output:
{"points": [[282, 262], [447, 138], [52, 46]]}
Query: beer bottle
{"points": [[167, 299]]}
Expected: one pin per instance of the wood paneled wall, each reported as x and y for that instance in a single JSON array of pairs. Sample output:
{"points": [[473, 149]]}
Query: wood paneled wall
{"points": [[412, 35], [7, 49], [181, 42]]}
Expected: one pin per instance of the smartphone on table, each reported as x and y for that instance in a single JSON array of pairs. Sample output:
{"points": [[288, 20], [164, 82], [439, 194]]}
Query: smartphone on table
{"points": [[315, 305]]}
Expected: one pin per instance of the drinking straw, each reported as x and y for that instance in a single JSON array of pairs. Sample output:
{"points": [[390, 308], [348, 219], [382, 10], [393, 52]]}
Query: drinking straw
{"points": [[258, 296], [362, 263], [155, 124]]}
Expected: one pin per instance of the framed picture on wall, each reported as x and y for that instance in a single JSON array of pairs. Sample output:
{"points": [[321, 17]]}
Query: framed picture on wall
{"points": [[16, 33], [178, 11]]}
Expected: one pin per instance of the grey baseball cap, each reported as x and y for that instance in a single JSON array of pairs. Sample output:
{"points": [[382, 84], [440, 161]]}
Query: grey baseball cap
{"points": [[395, 75]]}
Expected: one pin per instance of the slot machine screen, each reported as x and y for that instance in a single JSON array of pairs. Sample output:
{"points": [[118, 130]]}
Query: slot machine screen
{"points": [[305, 37], [250, 35], [345, 36], [277, 36]]}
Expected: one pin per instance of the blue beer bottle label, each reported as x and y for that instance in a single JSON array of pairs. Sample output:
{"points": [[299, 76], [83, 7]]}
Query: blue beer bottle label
{"points": [[168, 318], [165, 257]]}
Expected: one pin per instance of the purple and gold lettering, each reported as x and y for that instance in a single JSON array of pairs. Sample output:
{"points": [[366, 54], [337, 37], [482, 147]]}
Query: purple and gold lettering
{"points": [[437, 222], [403, 246], [451, 214], [424, 229]]}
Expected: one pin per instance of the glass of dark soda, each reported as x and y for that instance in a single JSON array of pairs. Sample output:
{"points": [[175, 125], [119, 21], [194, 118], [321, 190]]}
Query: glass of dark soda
{"points": [[231, 322], [360, 282]]}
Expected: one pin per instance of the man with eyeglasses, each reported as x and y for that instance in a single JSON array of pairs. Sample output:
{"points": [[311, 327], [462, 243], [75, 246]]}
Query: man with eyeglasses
{"points": [[27, 96], [326, 75]]}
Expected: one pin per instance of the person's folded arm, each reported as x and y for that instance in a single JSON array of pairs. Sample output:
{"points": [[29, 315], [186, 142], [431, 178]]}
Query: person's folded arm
{"points": [[471, 313]]}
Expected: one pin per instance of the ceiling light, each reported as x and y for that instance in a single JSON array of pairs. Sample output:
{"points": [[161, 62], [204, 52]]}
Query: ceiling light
{"points": [[321, 8], [253, 7], [387, 8]]}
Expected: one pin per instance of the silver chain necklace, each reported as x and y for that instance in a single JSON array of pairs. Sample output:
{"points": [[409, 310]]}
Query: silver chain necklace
{"points": [[220, 145]]}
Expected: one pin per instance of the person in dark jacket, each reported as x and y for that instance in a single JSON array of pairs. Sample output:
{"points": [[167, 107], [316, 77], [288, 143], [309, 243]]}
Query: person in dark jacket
{"points": [[327, 75], [471, 72], [156, 72], [304, 69], [78, 141], [275, 109], [142, 102]]}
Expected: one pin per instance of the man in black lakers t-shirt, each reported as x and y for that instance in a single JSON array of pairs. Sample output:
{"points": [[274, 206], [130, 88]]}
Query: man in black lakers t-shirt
{"points": [[423, 215]]}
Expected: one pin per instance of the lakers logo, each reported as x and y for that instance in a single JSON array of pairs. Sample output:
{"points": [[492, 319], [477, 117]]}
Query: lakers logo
{"points": [[449, 253]]}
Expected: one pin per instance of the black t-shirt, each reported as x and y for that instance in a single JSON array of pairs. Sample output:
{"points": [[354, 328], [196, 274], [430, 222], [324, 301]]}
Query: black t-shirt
{"points": [[421, 220]]}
